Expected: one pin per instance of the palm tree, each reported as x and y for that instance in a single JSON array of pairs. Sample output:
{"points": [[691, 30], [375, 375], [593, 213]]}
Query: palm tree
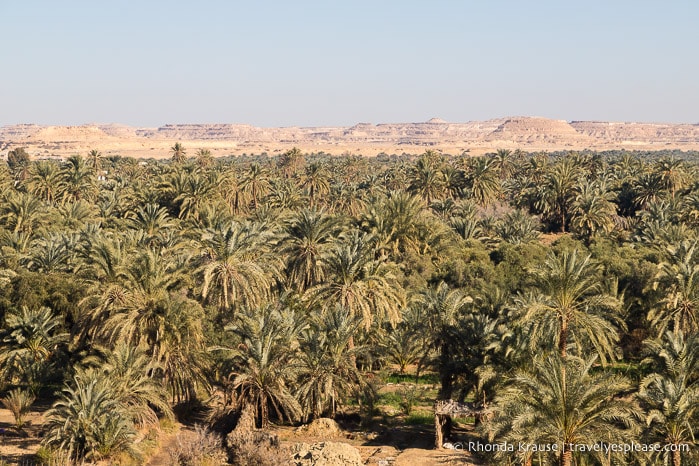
{"points": [[45, 181], [671, 173], [29, 340], [151, 218], [285, 195], [648, 187], [570, 306], [179, 153], [558, 192], [367, 288], [316, 181], [18, 403], [195, 193], [204, 158], [517, 227], [679, 309], [592, 210], [439, 310], [326, 370], [482, 180], [454, 181], [238, 267], [255, 182], [77, 180], [94, 158], [21, 212], [550, 405], [290, 162], [670, 394], [148, 310], [89, 422], [19, 161], [263, 365], [503, 162], [52, 254], [427, 180], [397, 224], [131, 371], [306, 244]]}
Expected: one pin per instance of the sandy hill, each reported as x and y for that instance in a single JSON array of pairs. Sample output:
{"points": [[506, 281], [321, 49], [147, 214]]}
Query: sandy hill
{"points": [[527, 133]]}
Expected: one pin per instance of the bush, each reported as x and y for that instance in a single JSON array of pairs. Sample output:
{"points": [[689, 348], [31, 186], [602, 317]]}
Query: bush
{"points": [[204, 448], [249, 451], [409, 397]]}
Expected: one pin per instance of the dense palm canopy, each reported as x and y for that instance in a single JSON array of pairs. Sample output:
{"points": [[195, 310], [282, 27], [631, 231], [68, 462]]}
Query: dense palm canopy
{"points": [[570, 308], [293, 285], [552, 406]]}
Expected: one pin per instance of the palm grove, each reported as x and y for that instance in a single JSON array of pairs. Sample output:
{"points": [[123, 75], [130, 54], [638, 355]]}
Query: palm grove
{"points": [[559, 290]]}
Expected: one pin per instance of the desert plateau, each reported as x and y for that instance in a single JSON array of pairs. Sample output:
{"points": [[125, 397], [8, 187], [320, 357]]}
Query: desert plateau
{"points": [[531, 134]]}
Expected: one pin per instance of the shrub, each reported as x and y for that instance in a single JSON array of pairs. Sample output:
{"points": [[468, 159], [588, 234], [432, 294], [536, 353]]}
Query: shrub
{"points": [[18, 402], [203, 448]]}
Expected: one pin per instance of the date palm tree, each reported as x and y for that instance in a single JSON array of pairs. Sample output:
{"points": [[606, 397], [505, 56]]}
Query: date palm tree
{"points": [[255, 183], [592, 210], [151, 218], [558, 192], [679, 276], [45, 180], [21, 212], [569, 306], [18, 403], [482, 180], [366, 287], [648, 188], [148, 310], [204, 158], [427, 180], [77, 180], [238, 267], [672, 174], [306, 245], [670, 394], [264, 369], [179, 153], [30, 338], [290, 162], [439, 309], [316, 182], [94, 158], [548, 405], [327, 374], [88, 422]]}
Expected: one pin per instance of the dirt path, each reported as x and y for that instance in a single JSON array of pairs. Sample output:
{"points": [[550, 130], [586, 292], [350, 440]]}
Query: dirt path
{"points": [[16, 447]]}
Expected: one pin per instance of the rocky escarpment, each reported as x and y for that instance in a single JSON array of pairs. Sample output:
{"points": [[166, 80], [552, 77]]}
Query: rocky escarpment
{"points": [[527, 133]]}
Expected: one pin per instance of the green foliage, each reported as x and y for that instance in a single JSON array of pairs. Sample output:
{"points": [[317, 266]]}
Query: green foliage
{"points": [[305, 275], [18, 403]]}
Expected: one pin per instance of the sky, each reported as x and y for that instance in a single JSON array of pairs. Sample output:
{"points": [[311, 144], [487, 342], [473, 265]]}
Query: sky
{"points": [[317, 63]]}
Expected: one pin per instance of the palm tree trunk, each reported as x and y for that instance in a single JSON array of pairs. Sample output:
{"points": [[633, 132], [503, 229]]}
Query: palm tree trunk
{"points": [[563, 337], [350, 347], [566, 458], [676, 457]]}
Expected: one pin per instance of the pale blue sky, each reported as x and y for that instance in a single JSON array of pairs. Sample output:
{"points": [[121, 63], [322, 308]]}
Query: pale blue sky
{"points": [[284, 63]]}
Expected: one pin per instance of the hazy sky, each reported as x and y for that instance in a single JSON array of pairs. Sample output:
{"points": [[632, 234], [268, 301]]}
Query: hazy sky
{"points": [[287, 63]]}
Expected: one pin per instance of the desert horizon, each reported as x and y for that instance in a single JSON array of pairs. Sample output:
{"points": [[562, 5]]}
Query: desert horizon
{"points": [[474, 137]]}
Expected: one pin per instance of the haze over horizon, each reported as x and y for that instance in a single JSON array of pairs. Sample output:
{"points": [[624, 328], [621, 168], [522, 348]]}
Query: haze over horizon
{"points": [[313, 63]]}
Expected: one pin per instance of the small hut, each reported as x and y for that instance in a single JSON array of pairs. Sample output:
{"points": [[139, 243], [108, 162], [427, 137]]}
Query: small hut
{"points": [[443, 412]]}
